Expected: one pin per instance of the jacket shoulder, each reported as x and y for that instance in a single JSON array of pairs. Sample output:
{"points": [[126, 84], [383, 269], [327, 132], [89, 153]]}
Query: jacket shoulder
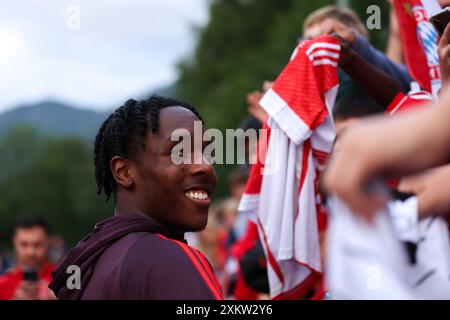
{"points": [[157, 267]]}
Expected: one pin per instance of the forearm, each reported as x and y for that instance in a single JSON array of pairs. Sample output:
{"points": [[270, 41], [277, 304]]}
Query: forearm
{"points": [[376, 83], [382, 62], [415, 141]]}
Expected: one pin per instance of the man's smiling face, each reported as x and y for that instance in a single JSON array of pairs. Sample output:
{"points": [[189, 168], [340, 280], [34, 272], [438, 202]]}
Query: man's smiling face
{"points": [[176, 195]]}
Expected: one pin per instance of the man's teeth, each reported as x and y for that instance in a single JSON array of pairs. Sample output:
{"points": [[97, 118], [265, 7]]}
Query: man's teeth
{"points": [[200, 195]]}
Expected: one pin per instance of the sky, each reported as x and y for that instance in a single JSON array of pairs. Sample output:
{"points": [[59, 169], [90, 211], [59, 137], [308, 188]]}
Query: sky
{"points": [[92, 53]]}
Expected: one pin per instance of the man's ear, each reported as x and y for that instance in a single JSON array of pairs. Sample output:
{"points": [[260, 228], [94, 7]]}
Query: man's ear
{"points": [[122, 171]]}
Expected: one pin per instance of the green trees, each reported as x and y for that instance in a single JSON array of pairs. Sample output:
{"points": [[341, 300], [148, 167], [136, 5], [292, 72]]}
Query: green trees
{"points": [[52, 177]]}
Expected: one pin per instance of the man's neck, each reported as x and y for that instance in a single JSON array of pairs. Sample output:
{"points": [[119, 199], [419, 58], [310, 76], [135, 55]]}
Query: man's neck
{"points": [[122, 209]]}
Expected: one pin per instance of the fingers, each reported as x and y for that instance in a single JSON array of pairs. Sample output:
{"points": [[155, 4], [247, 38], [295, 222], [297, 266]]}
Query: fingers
{"points": [[254, 97], [432, 188], [444, 54], [351, 172], [411, 184], [258, 112], [330, 26], [267, 85], [347, 179], [443, 46], [254, 108], [445, 38], [26, 291]]}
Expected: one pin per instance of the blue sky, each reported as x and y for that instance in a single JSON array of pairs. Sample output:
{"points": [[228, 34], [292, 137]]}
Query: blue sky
{"points": [[119, 49]]}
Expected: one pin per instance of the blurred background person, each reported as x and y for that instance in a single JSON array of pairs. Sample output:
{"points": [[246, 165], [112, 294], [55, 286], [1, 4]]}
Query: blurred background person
{"points": [[346, 24], [29, 279]]}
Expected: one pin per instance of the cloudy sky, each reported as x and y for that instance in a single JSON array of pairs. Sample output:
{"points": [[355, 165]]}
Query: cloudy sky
{"points": [[94, 54]]}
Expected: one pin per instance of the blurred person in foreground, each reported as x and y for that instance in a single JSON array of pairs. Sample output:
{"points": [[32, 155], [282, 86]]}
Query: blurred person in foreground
{"points": [[397, 147], [140, 252], [29, 280]]}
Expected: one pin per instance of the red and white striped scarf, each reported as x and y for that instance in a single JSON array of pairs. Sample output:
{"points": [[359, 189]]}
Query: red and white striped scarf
{"points": [[281, 192], [419, 41]]}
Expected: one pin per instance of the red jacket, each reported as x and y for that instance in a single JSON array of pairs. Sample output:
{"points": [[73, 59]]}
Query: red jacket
{"points": [[11, 280]]}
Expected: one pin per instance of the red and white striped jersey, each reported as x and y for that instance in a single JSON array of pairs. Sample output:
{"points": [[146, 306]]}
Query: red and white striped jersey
{"points": [[411, 101], [282, 193]]}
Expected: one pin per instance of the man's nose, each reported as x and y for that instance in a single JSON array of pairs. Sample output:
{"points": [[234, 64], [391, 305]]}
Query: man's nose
{"points": [[201, 164]]}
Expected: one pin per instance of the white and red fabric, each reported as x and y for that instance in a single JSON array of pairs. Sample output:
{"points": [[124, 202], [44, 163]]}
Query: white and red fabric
{"points": [[405, 103], [419, 41], [369, 261], [411, 101], [282, 194]]}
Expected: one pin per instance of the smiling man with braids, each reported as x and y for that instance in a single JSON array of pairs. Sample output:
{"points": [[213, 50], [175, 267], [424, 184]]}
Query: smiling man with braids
{"points": [[140, 252]]}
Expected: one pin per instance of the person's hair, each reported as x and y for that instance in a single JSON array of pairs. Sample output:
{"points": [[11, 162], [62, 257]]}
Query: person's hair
{"points": [[343, 15], [29, 222], [123, 134], [355, 103]]}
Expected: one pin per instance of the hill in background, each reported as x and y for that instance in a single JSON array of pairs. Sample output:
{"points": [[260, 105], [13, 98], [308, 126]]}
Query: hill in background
{"points": [[61, 119]]}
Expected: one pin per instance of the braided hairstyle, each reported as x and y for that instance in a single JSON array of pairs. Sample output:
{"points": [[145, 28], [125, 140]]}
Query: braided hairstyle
{"points": [[123, 132]]}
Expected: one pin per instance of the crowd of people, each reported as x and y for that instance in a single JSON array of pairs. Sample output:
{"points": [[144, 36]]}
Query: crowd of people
{"points": [[396, 149]]}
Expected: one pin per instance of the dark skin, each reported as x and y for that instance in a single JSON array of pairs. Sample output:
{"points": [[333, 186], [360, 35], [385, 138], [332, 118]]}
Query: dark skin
{"points": [[149, 183], [379, 85]]}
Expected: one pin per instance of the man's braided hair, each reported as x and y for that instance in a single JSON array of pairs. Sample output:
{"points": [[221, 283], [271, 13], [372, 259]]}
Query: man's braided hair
{"points": [[123, 132]]}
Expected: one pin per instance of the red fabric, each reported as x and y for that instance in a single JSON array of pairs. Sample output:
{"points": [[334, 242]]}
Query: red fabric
{"points": [[305, 97], [321, 292], [302, 289], [297, 104], [11, 280], [202, 266], [246, 242], [417, 38], [411, 101], [221, 248], [241, 290]]}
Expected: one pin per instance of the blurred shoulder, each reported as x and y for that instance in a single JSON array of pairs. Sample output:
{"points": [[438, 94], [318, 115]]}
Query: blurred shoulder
{"points": [[157, 267], [154, 248]]}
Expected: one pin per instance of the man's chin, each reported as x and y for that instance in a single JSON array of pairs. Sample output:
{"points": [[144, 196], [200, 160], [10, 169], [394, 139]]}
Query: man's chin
{"points": [[197, 226]]}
